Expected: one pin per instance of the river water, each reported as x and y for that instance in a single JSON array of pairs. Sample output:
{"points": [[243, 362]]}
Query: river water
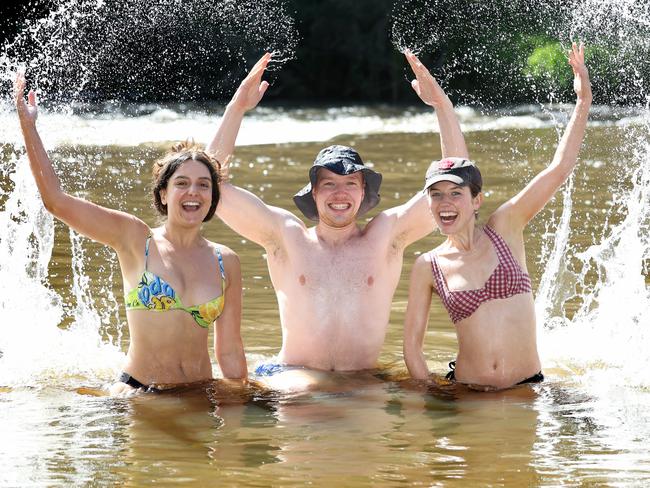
{"points": [[63, 332]]}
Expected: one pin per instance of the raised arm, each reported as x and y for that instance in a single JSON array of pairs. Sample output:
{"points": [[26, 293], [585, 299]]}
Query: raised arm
{"points": [[241, 210], [417, 317], [413, 219], [452, 142], [248, 95], [524, 206], [109, 227]]}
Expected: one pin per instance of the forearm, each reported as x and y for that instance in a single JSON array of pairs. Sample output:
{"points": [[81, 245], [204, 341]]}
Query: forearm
{"points": [[415, 361], [452, 142], [46, 178], [232, 361], [222, 145], [566, 154]]}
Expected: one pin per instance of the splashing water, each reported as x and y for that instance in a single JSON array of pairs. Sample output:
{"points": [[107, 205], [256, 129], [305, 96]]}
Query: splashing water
{"points": [[85, 50], [608, 335], [606, 338]]}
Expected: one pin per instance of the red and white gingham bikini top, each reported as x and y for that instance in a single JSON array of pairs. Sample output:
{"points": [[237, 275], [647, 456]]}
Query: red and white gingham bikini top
{"points": [[506, 280]]}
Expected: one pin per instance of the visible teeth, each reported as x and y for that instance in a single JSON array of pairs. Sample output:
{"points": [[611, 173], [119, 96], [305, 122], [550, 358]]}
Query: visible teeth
{"points": [[339, 206], [191, 204], [448, 214]]}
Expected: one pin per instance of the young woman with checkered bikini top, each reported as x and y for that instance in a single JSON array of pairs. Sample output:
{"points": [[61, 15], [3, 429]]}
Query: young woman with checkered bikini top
{"points": [[479, 272]]}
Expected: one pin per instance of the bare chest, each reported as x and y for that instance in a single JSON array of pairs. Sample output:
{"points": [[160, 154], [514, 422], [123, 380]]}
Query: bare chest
{"points": [[341, 273]]}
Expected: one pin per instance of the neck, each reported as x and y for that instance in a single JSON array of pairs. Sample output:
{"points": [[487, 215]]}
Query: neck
{"points": [[181, 236], [466, 240], [336, 235]]}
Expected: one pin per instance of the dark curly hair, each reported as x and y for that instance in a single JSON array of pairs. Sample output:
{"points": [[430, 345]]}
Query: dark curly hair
{"points": [[165, 167]]}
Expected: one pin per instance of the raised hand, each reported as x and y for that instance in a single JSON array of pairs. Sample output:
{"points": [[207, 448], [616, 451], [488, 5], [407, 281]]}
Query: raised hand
{"points": [[581, 84], [27, 111], [252, 88], [425, 85]]}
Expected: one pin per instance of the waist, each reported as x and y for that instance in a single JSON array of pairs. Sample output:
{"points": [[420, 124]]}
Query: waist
{"points": [[328, 359], [165, 370]]}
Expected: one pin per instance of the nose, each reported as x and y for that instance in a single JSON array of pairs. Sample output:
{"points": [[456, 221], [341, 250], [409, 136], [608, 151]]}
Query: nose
{"points": [[195, 188]]}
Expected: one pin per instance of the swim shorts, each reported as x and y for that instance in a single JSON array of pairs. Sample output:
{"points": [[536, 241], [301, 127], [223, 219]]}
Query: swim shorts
{"points": [[269, 369]]}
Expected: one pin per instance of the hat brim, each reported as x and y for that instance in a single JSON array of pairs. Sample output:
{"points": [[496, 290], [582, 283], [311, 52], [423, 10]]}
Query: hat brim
{"points": [[443, 177], [304, 199]]}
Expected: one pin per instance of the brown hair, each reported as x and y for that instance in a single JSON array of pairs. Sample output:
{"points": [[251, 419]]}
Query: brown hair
{"points": [[165, 167]]}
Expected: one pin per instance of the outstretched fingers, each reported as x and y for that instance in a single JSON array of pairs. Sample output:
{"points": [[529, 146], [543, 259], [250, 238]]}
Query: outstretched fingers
{"points": [[581, 84], [19, 85], [258, 69], [425, 85]]}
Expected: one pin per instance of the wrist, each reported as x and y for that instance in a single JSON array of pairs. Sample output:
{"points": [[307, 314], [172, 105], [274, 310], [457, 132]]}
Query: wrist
{"points": [[442, 104], [27, 124], [235, 108]]}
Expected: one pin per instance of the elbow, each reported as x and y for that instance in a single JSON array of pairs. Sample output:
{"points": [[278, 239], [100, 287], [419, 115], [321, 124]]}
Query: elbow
{"points": [[55, 204]]}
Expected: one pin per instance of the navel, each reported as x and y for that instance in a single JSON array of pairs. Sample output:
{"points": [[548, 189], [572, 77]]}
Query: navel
{"points": [[370, 281], [302, 280]]}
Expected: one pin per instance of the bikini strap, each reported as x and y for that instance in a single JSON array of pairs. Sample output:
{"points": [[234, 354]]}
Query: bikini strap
{"points": [[146, 252], [437, 273], [221, 267], [504, 254]]}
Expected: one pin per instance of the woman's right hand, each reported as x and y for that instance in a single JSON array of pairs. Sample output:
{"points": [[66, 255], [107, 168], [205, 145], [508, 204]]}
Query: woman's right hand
{"points": [[252, 88], [27, 110]]}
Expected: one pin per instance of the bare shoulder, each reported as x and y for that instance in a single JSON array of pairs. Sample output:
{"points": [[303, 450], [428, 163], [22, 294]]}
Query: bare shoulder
{"points": [[381, 225], [230, 257], [289, 225], [131, 251], [502, 223], [421, 272]]}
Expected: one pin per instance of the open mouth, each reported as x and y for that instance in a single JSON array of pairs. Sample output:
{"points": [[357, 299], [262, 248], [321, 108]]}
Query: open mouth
{"points": [[339, 206], [448, 217], [191, 206]]}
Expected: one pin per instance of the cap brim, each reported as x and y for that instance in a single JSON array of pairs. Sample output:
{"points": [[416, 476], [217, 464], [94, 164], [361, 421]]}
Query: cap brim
{"points": [[444, 177]]}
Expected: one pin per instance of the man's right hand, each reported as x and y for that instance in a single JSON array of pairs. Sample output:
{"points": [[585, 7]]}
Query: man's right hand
{"points": [[252, 88]]}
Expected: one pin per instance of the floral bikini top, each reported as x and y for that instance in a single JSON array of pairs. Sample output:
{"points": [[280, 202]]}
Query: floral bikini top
{"points": [[155, 294], [506, 280]]}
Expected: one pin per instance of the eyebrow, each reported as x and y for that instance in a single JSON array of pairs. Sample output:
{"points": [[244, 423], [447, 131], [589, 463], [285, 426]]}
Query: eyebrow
{"points": [[178, 177]]}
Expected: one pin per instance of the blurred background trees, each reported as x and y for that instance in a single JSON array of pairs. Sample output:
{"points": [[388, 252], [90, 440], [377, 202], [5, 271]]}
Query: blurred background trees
{"points": [[494, 53]]}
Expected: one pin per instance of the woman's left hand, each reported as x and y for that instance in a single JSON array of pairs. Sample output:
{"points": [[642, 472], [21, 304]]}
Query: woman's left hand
{"points": [[581, 83]]}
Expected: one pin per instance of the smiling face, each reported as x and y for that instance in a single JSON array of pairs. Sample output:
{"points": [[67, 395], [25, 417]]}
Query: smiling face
{"points": [[452, 206], [188, 194], [338, 197]]}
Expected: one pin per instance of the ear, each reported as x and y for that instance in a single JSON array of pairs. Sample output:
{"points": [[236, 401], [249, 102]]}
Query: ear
{"points": [[163, 196], [478, 201]]}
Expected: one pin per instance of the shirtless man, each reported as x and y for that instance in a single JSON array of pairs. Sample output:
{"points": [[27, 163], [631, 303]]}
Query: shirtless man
{"points": [[334, 281]]}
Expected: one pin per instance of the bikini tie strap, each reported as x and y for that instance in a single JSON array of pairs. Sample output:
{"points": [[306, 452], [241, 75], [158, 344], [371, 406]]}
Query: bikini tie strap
{"points": [[146, 252], [221, 267]]}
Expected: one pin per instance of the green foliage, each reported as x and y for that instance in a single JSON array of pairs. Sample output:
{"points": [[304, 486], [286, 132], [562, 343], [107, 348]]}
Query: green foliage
{"points": [[547, 66]]}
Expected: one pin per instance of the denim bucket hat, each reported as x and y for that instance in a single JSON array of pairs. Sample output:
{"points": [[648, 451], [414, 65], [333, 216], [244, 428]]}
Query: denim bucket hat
{"points": [[341, 160]]}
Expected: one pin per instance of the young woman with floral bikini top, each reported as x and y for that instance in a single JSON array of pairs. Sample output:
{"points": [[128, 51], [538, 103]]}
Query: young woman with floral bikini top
{"points": [[479, 272], [168, 338]]}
